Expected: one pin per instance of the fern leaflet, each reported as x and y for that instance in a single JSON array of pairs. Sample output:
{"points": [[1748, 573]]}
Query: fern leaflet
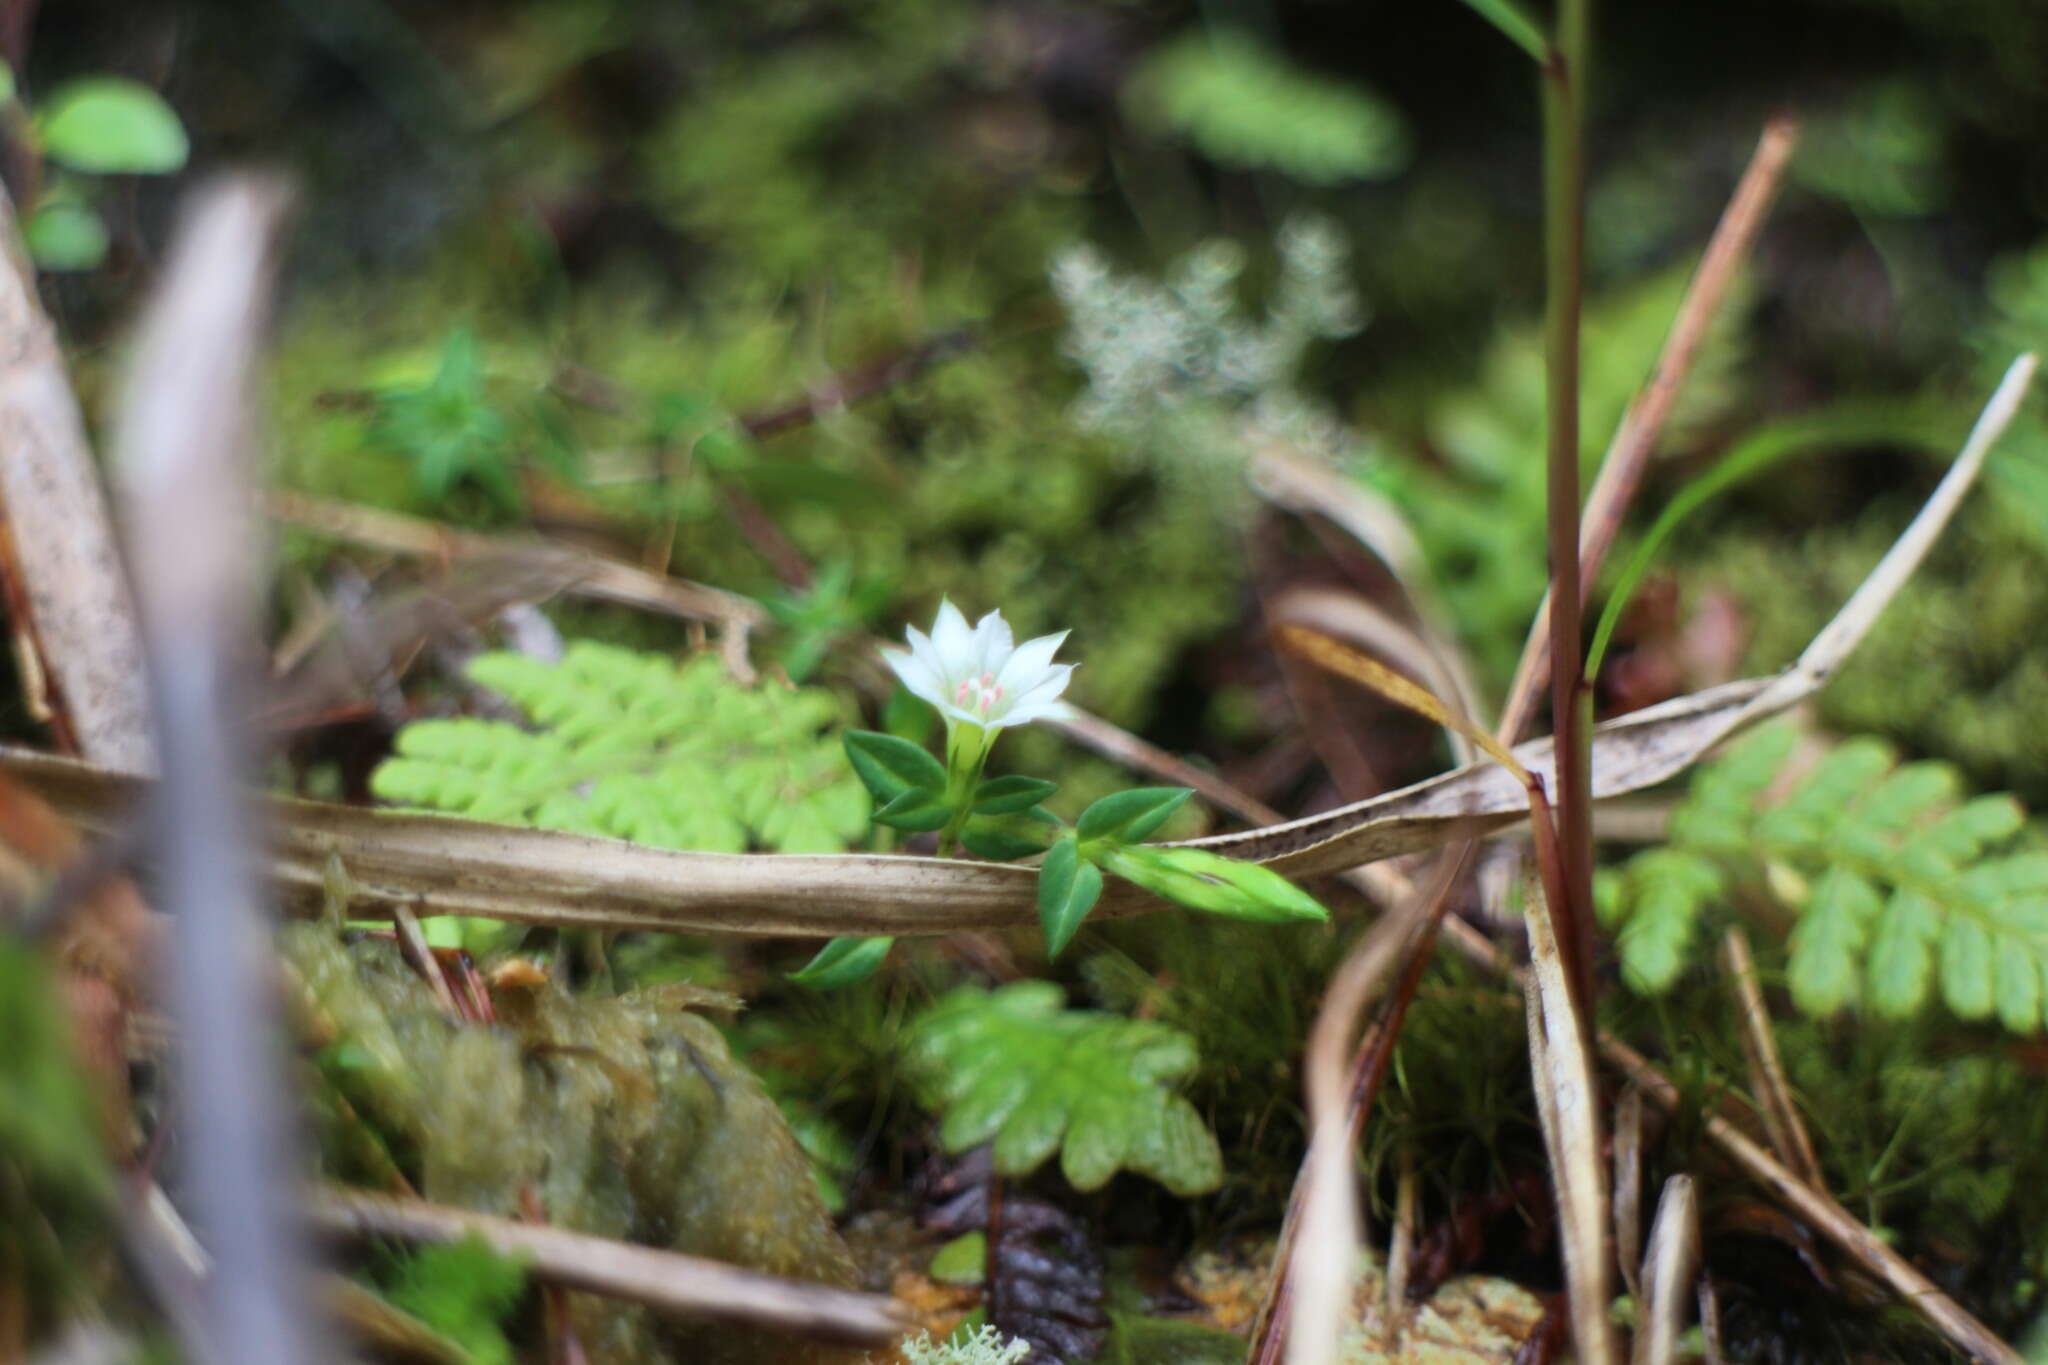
{"points": [[1896, 879], [632, 746]]}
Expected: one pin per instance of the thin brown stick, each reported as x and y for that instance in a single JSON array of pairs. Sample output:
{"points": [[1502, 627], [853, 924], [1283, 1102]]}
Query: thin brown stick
{"points": [[1621, 469], [412, 940], [846, 389], [1782, 1123], [667, 1281]]}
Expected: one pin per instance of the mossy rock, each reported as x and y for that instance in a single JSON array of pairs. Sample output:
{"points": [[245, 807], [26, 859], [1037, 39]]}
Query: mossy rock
{"points": [[626, 1116]]}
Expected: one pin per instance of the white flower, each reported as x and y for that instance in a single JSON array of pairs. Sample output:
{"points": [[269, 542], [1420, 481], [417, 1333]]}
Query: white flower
{"points": [[977, 676]]}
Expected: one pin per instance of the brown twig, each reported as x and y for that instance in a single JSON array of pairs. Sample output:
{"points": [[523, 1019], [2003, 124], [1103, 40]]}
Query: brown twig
{"points": [[844, 390], [1628, 455], [667, 1281], [1782, 1124]]}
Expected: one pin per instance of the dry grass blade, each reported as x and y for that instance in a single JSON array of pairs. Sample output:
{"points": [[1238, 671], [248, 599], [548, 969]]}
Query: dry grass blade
{"points": [[585, 574], [73, 600], [1348, 616], [442, 865], [1401, 1242], [1325, 1245], [1668, 1272], [183, 444], [412, 940], [1621, 469], [1782, 1124], [664, 1280], [1628, 1187], [1826, 1217], [1307, 487], [1841, 635], [1346, 662], [1568, 1105]]}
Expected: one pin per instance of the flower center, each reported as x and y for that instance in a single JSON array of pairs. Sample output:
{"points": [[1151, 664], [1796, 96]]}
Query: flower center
{"points": [[978, 695]]}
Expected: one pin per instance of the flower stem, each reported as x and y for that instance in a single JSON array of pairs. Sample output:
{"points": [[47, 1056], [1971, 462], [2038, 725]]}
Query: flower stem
{"points": [[1564, 182]]}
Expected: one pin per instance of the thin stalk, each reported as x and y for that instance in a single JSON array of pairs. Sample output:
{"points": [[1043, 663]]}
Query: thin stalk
{"points": [[1564, 182]]}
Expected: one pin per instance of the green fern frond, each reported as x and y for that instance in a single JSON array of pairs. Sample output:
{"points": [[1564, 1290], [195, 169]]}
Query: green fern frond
{"points": [[632, 746], [1015, 1067], [1898, 882]]}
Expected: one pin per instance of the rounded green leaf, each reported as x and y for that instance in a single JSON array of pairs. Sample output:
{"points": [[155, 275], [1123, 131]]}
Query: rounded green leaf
{"points": [[110, 125], [1127, 817], [890, 766], [65, 235], [961, 1260]]}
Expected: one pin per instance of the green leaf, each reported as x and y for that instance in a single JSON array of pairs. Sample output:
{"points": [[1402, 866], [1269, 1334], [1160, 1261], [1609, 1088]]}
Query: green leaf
{"points": [[1126, 817], [962, 1260], [110, 125], [1825, 944], [63, 234], [1008, 795], [842, 962], [1673, 886], [918, 810], [631, 746], [1014, 1068], [1214, 884], [890, 766], [1068, 888], [1008, 837]]}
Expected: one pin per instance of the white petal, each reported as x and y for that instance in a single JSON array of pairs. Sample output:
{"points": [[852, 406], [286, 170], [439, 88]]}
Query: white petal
{"points": [[1027, 667], [954, 640], [1041, 700], [916, 676], [927, 655], [993, 641]]}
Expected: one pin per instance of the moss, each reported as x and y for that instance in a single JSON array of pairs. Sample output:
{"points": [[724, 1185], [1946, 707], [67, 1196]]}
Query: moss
{"points": [[1957, 665], [627, 1117]]}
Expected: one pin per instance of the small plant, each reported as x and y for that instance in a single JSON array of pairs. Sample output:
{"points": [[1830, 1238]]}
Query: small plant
{"points": [[450, 429], [632, 746], [981, 682], [1890, 874], [1244, 106], [1016, 1068], [89, 127], [465, 1291]]}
